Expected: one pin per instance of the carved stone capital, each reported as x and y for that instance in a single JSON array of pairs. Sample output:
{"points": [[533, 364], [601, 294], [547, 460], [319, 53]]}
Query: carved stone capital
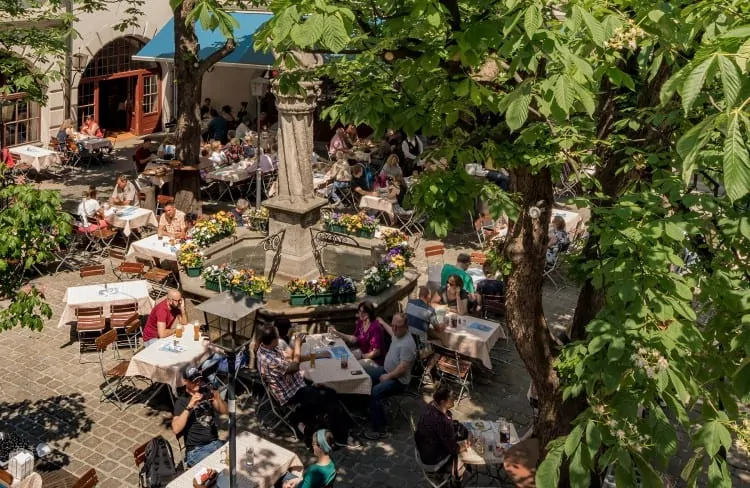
{"points": [[297, 103]]}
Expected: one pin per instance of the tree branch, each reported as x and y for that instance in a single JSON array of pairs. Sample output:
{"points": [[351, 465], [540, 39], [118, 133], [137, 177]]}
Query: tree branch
{"points": [[455, 20], [217, 56]]}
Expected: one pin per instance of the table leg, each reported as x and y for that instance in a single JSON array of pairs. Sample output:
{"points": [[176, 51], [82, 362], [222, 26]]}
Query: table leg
{"points": [[158, 389]]}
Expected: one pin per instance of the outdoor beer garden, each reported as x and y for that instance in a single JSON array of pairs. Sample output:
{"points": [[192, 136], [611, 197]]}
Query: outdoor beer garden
{"points": [[357, 277]]}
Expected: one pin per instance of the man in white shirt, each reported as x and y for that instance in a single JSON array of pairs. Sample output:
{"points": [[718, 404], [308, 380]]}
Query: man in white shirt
{"points": [[242, 129], [412, 148], [125, 192]]}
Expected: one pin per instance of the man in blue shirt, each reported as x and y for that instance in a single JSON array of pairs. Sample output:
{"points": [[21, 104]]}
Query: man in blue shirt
{"points": [[217, 128]]}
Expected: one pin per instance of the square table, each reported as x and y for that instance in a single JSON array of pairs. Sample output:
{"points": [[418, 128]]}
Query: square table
{"points": [[129, 218], [328, 372], [92, 143], [270, 463], [94, 296], [472, 337], [160, 364], [153, 247], [38, 158], [380, 204]]}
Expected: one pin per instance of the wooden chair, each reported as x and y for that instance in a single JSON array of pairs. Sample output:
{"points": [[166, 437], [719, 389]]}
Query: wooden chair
{"points": [[114, 376], [159, 279], [126, 269], [161, 201], [435, 256], [88, 480], [478, 258], [90, 325], [453, 368], [6, 479], [120, 316], [139, 455], [133, 332], [93, 270]]}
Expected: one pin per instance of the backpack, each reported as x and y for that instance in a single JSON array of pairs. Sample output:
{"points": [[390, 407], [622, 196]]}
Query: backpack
{"points": [[158, 467]]}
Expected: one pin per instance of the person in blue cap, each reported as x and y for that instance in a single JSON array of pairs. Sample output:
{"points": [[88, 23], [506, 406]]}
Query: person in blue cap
{"points": [[323, 472]]}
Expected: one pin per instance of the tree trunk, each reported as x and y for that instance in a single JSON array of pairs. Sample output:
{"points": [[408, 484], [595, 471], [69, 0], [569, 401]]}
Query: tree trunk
{"points": [[189, 80], [526, 248]]}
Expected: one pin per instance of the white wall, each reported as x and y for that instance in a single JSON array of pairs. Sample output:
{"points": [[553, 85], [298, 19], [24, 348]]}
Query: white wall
{"points": [[230, 86]]}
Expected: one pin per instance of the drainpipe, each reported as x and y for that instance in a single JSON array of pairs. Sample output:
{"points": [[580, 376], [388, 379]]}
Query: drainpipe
{"points": [[68, 65]]}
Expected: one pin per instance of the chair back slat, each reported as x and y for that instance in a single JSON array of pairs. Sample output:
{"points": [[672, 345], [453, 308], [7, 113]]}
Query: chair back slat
{"points": [[124, 308], [88, 480], [139, 455], [133, 324], [434, 250], [131, 268], [95, 270], [104, 340], [117, 254], [478, 258], [89, 312]]}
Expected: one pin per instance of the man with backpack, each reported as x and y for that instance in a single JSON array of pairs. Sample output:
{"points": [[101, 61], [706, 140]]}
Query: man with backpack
{"points": [[195, 415]]}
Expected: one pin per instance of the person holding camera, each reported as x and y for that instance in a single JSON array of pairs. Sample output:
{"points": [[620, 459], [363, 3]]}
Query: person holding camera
{"points": [[195, 415]]}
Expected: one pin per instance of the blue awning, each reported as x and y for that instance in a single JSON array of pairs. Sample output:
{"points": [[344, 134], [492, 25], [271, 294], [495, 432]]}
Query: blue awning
{"points": [[161, 47]]}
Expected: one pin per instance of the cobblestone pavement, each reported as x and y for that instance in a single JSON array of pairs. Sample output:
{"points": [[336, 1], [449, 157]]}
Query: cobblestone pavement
{"points": [[46, 395]]}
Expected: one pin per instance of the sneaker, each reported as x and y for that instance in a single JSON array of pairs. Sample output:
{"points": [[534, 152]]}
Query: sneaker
{"points": [[351, 442], [375, 435]]}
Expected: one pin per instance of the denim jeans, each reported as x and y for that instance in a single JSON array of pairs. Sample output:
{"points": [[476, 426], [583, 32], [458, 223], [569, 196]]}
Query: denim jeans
{"points": [[198, 454], [380, 390]]}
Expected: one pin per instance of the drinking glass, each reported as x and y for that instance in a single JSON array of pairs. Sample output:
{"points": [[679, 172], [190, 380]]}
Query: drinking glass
{"points": [[249, 453]]}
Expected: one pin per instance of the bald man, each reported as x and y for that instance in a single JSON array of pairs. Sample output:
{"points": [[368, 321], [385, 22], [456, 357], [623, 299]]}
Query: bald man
{"points": [[162, 317]]}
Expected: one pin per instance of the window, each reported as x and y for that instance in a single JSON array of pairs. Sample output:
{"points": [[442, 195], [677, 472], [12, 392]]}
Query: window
{"points": [[114, 58], [20, 121], [85, 101], [150, 94]]}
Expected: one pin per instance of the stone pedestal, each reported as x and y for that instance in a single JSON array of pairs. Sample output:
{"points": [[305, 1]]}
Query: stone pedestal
{"points": [[295, 208]]}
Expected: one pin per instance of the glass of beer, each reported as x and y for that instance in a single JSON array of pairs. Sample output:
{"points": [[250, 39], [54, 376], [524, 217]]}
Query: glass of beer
{"points": [[196, 331], [178, 331], [345, 361], [312, 359]]}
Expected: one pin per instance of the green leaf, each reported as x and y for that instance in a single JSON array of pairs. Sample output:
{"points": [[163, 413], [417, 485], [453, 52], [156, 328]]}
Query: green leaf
{"points": [[679, 387], [673, 84], [730, 79], [433, 18], [594, 26], [548, 472], [518, 111], [573, 440], [694, 83], [690, 145], [586, 99], [712, 436], [335, 36], [579, 471], [718, 474], [741, 380], [532, 19], [649, 477], [736, 161], [692, 468], [655, 15], [564, 93]]}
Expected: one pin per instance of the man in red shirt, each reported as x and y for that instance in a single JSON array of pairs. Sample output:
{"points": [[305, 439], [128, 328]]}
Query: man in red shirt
{"points": [[163, 315], [143, 155]]}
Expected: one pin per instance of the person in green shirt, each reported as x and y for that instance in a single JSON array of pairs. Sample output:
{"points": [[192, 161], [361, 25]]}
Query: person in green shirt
{"points": [[462, 264], [322, 473]]}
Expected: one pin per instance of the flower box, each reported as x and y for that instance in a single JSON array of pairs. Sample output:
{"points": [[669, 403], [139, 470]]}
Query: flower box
{"points": [[212, 285], [194, 272], [337, 228], [349, 297], [304, 300], [373, 290], [367, 234]]}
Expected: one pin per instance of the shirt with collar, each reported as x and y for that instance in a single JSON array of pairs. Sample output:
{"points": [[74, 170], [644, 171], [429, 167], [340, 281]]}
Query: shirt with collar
{"points": [[272, 365]]}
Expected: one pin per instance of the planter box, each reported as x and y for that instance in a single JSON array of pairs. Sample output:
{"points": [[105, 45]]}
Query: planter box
{"points": [[367, 234], [193, 272], [342, 230], [350, 297], [304, 300], [259, 224], [214, 286], [337, 228], [372, 291]]}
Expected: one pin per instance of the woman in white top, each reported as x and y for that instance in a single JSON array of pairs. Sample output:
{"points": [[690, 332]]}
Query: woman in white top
{"points": [[90, 212], [217, 154]]}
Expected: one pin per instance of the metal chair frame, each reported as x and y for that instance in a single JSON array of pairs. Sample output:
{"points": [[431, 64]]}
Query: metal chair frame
{"points": [[446, 477], [114, 377], [452, 367], [322, 239], [89, 321], [281, 412]]}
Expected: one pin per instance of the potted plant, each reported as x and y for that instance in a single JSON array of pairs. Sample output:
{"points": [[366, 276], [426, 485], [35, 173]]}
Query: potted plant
{"points": [[333, 223], [395, 264], [343, 289], [215, 277], [376, 280], [212, 229], [191, 259], [361, 224], [257, 219], [257, 286], [310, 292]]}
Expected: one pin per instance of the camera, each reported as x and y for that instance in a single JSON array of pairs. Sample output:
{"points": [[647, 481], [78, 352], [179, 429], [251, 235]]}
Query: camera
{"points": [[206, 391]]}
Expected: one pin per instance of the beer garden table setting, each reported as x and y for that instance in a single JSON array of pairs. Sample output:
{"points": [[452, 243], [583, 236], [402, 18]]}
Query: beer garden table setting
{"points": [[488, 443], [471, 336], [341, 371], [129, 218], [105, 295], [155, 246], [94, 143], [259, 464], [38, 158], [163, 360], [158, 173]]}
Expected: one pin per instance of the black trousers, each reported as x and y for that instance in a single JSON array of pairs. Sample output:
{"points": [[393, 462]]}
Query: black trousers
{"points": [[320, 409]]}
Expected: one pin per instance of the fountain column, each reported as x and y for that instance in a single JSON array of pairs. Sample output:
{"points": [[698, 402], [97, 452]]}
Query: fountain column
{"points": [[296, 207]]}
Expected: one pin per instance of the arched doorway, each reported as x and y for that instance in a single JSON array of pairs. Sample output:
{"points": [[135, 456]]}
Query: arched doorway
{"points": [[123, 95]]}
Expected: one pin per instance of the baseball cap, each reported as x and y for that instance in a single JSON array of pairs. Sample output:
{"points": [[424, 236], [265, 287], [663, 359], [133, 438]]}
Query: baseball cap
{"points": [[191, 373]]}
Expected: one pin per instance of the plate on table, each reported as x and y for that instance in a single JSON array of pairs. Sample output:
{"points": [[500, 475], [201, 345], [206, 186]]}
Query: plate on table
{"points": [[170, 347], [481, 426]]}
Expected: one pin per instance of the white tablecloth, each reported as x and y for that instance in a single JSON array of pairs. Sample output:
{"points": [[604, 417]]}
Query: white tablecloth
{"points": [[270, 462], [376, 203], [231, 174], [130, 218], [38, 157], [159, 180], [328, 372], [89, 296], [163, 366], [468, 338], [152, 247], [95, 143]]}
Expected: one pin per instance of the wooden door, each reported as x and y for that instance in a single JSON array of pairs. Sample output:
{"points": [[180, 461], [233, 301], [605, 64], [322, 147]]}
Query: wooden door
{"points": [[150, 96]]}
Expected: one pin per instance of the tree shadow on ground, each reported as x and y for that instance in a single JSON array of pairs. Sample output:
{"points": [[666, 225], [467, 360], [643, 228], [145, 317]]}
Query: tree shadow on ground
{"points": [[55, 419]]}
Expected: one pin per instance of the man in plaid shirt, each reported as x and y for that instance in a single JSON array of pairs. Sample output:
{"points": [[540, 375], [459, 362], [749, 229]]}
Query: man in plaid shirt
{"points": [[279, 368]]}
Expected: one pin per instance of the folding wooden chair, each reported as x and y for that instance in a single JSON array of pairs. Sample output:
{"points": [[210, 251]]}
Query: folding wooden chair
{"points": [[114, 377], [435, 257], [161, 201], [139, 455], [454, 369], [125, 269], [101, 240], [436, 480], [134, 332], [88, 480], [120, 316], [281, 412], [159, 279], [93, 270], [90, 325]]}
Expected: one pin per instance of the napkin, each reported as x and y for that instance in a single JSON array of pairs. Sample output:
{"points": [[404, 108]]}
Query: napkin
{"points": [[480, 327]]}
